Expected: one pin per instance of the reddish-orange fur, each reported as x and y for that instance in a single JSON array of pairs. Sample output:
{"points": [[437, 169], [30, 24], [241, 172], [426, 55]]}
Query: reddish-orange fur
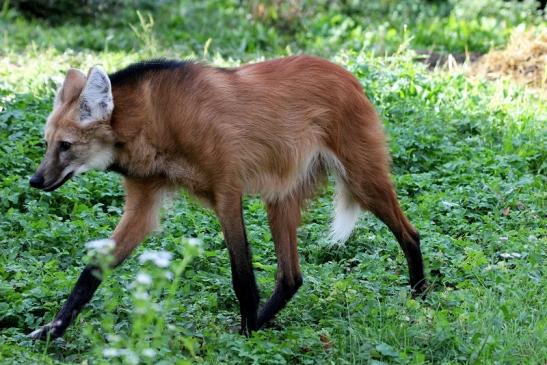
{"points": [[273, 128]]}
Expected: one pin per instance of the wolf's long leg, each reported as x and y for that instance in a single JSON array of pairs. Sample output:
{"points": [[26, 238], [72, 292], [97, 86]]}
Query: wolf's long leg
{"points": [[284, 217], [230, 214], [140, 216]]}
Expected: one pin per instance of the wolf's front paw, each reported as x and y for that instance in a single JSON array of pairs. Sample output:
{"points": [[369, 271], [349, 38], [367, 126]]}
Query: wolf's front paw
{"points": [[248, 325], [52, 330], [420, 290]]}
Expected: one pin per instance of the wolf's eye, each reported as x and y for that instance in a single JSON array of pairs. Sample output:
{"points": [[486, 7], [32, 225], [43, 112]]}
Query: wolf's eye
{"points": [[64, 146]]}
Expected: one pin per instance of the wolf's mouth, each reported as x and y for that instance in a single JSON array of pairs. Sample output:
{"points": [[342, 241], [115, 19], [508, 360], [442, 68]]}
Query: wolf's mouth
{"points": [[59, 183]]}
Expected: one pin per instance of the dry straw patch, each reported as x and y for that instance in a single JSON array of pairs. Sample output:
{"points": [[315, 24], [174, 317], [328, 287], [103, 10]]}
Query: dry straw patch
{"points": [[523, 60]]}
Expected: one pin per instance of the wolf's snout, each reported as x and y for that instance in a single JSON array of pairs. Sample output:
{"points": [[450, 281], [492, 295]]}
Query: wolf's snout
{"points": [[37, 181]]}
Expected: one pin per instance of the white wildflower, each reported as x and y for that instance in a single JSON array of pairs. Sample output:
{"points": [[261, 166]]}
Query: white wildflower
{"points": [[104, 246], [113, 338], [142, 295], [195, 242], [143, 278], [151, 353], [159, 258], [131, 357], [110, 352]]}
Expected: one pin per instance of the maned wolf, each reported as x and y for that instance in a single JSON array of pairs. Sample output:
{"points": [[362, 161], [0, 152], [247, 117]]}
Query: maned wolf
{"points": [[273, 128]]}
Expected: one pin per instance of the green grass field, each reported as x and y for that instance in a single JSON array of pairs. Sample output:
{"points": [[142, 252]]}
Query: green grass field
{"points": [[469, 163]]}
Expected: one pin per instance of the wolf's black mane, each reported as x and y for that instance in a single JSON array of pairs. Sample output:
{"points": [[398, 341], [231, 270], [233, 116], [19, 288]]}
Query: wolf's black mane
{"points": [[137, 71]]}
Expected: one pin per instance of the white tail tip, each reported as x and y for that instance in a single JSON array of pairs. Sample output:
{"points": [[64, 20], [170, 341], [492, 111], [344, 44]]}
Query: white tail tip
{"points": [[346, 214]]}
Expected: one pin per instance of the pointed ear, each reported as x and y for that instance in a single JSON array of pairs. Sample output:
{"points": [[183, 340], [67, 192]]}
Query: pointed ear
{"points": [[72, 86], [96, 102]]}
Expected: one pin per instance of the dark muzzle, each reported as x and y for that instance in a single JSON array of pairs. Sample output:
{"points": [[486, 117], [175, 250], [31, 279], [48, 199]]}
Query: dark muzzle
{"points": [[37, 181]]}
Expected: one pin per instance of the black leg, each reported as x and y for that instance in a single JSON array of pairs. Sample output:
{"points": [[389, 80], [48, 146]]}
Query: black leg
{"points": [[284, 291], [284, 217], [413, 255], [81, 294], [383, 203], [140, 216], [230, 214]]}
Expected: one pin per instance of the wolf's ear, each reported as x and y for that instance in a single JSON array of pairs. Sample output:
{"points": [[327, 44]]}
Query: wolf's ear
{"points": [[72, 86], [96, 102]]}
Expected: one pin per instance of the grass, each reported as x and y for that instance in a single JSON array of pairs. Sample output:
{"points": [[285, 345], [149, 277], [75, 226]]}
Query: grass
{"points": [[468, 161]]}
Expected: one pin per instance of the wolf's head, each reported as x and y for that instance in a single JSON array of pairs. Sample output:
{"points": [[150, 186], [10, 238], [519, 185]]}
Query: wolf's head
{"points": [[77, 132]]}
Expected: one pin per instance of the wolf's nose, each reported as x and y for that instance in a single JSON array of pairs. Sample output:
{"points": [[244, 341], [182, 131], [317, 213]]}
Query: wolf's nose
{"points": [[37, 181]]}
